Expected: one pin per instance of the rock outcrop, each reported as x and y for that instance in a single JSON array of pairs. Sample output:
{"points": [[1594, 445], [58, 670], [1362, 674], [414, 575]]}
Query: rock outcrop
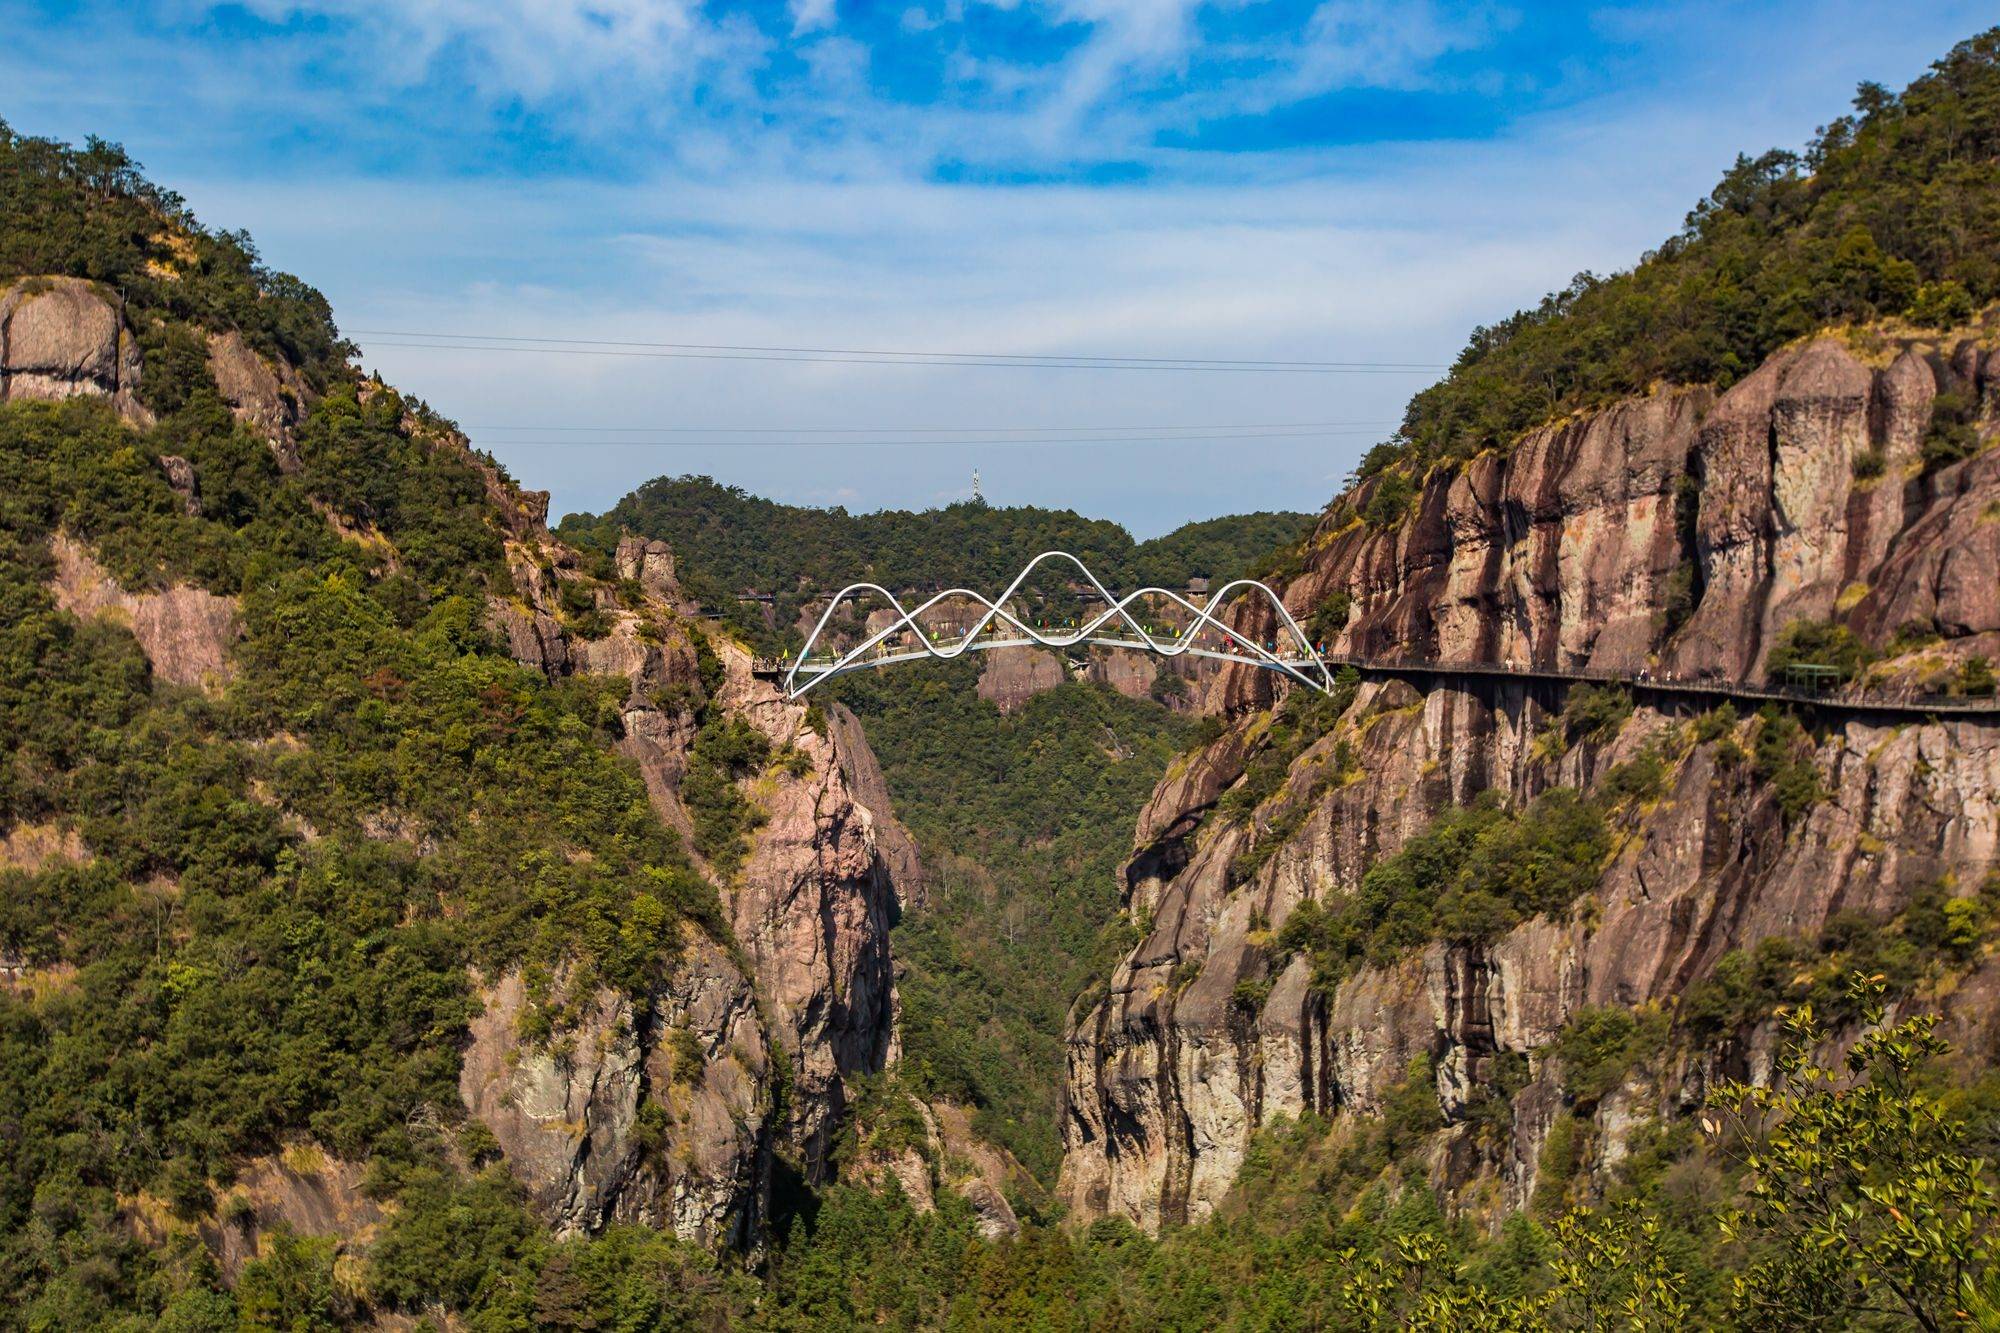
{"points": [[66, 338], [269, 397], [186, 633], [810, 909], [1681, 531], [653, 1113], [1009, 677], [1677, 533]]}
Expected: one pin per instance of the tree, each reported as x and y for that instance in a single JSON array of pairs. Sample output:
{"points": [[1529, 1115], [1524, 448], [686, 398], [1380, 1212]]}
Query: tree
{"points": [[1862, 1198]]}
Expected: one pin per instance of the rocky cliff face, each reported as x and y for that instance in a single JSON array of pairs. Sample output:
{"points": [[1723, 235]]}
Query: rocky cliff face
{"points": [[808, 1004], [1573, 550], [63, 338], [1682, 531]]}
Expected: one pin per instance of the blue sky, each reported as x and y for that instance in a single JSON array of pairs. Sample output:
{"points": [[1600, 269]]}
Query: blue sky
{"points": [[1341, 180]]}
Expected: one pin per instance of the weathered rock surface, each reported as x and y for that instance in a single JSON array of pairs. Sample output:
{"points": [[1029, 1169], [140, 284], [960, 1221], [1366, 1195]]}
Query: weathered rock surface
{"points": [[1009, 677], [304, 1188], [1566, 553], [812, 903], [1570, 550], [812, 906], [186, 633], [66, 338], [569, 1116], [269, 397], [863, 773]]}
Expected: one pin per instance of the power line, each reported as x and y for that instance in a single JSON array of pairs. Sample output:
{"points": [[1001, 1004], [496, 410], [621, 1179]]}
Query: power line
{"points": [[1198, 437], [476, 342], [934, 429]]}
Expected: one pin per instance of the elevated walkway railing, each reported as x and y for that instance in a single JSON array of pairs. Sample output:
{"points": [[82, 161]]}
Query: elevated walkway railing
{"points": [[1287, 651]]}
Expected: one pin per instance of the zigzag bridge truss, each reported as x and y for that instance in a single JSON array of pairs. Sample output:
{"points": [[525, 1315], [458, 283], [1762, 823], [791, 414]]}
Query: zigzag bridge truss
{"points": [[1116, 626], [1289, 652]]}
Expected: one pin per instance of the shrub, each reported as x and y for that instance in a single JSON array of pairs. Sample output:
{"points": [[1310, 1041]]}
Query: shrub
{"points": [[725, 749], [1716, 723], [1817, 643], [1975, 676], [1595, 712], [1391, 499], [1953, 433], [1941, 305], [1782, 755]]}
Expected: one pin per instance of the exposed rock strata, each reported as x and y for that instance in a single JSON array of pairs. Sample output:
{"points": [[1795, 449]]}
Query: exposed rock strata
{"points": [[810, 907], [269, 397], [569, 1116], [1569, 552], [1571, 549]]}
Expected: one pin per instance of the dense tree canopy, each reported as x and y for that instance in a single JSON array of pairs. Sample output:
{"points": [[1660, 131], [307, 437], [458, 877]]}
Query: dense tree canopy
{"points": [[1891, 211], [729, 541]]}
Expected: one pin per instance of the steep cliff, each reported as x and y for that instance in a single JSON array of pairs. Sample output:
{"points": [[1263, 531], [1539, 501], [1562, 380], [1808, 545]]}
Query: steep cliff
{"points": [[677, 1103], [1682, 534], [802, 1001]]}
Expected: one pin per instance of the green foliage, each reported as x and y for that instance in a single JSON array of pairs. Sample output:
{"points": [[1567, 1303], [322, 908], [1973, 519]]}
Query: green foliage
{"points": [[1817, 643], [1942, 305], [1782, 756], [1473, 873], [1010, 811], [1975, 676], [726, 750], [1862, 1195], [1595, 712], [289, 877], [88, 213], [1599, 1047], [729, 541], [291, 1286], [1895, 210], [1716, 723], [1953, 433], [1393, 494], [1330, 617]]}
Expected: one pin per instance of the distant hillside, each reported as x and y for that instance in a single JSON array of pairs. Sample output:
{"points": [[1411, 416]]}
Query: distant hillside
{"points": [[729, 541]]}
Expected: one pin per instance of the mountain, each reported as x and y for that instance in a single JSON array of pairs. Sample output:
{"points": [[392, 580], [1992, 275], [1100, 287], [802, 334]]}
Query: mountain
{"points": [[729, 542], [1557, 917], [1010, 774], [394, 917], [411, 918]]}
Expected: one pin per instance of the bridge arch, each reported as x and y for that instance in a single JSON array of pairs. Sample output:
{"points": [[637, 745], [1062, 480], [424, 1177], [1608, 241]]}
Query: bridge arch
{"points": [[1114, 627]]}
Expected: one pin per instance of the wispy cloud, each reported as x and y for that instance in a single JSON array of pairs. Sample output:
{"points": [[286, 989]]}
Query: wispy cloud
{"points": [[976, 175]]}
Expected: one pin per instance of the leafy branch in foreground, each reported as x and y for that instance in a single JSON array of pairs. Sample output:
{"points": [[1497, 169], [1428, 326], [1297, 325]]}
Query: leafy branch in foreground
{"points": [[1863, 1199]]}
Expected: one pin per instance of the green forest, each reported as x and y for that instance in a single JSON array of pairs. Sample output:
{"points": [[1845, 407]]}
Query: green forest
{"points": [[728, 542], [1010, 812], [1893, 211]]}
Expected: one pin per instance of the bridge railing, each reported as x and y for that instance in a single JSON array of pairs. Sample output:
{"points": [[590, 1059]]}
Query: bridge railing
{"points": [[1675, 682]]}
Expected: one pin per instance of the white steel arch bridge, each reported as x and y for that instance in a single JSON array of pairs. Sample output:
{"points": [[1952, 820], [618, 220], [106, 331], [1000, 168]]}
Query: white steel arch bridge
{"points": [[1290, 654]]}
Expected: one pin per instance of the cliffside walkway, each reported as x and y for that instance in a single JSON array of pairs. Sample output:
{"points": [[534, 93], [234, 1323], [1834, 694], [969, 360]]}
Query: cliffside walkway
{"points": [[1645, 683], [1288, 652]]}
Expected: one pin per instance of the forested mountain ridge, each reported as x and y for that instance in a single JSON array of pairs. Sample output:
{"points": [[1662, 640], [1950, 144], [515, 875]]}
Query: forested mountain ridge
{"points": [[407, 918], [1889, 213], [396, 919], [729, 542], [1536, 933]]}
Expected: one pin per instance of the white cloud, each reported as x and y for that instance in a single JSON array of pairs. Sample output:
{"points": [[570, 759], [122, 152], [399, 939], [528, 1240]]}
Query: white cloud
{"points": [[812, 15], [534, 49]]}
